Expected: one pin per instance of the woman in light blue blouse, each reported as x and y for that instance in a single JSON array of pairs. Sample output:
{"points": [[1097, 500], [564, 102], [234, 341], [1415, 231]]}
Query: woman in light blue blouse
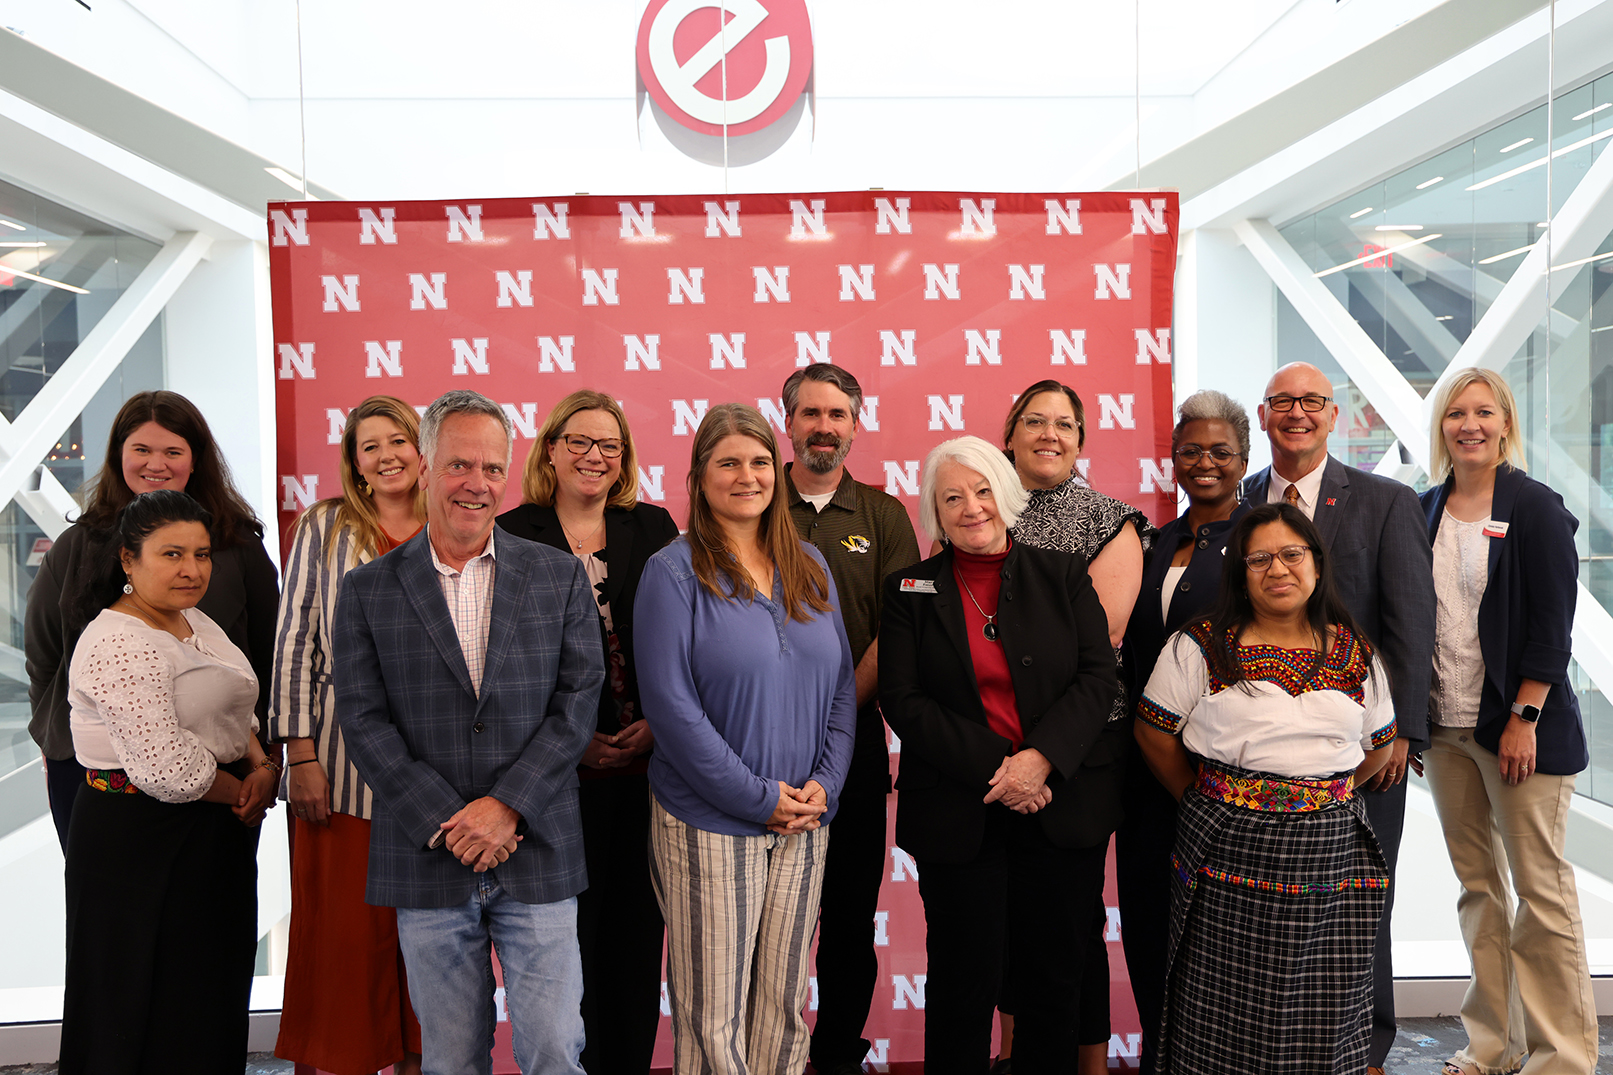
{"points": [[748, 687]]}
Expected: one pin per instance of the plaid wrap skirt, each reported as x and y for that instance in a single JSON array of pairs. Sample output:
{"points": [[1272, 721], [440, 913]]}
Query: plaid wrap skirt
{"points": [[1277, 889]]}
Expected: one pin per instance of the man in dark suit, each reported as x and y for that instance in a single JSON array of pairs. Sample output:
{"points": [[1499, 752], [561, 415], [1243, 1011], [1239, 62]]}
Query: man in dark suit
{"points": [[864, 535], [1377, 540], [467, 679]]}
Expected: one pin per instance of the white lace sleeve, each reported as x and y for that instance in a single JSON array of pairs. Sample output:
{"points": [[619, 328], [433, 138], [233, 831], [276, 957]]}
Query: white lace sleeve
{"points": [[132, 685]]}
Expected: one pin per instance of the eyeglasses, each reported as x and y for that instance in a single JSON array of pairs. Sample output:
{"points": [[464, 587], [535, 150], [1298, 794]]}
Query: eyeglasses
{"points": [[1220, 455], [1309, 403], [1036, 425], [577, 444], [1290, 555]]}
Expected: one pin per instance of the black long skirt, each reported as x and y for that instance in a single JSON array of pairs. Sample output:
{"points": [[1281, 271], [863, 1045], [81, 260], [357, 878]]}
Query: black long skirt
{"points": [[1273, 919], [162, 914]]}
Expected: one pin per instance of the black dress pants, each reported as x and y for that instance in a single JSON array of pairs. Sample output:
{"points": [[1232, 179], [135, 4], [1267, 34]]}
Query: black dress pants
{"points": [[1047, 894], [847, 965], [619, 928], [162, 914]]}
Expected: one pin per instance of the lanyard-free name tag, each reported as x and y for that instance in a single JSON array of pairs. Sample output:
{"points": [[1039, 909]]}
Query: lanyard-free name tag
{"points": [[1495, 530], [918, 586]]}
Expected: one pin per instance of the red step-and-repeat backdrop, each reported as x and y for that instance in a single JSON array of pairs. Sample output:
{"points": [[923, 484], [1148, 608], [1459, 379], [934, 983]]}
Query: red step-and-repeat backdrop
{"points": [[943, 305]]}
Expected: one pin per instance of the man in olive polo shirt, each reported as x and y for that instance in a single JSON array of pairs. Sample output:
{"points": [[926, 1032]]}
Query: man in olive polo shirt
{"points": [[864, 534]]}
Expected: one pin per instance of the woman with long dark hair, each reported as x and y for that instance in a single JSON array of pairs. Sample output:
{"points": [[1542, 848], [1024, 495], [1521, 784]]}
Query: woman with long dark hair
{"points": [[751, 694], [346, 1007], [579, 493], [161, 874], [159, 440], [1278, 880]]}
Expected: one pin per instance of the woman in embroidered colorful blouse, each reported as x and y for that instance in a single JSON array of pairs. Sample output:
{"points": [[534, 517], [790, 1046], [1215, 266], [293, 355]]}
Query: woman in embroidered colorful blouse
{"points": [[1506, 736], [161, 875], [346, 999], [1279, 881]]}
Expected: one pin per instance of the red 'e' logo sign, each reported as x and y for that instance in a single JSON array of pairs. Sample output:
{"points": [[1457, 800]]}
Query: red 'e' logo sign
{"points": [[682, 45]]}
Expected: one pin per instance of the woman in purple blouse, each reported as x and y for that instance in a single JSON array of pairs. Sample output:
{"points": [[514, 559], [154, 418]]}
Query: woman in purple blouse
{"points": [[748, 687]]}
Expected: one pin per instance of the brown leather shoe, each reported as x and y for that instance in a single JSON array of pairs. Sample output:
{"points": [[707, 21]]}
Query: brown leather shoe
{"points": [[1375, 1071]]}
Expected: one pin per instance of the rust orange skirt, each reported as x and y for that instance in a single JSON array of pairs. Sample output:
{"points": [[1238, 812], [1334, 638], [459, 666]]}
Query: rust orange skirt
{"points": [[346, 1007]]}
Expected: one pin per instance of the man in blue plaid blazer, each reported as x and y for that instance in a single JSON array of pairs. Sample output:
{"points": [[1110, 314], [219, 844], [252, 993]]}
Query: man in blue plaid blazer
{"points": [[467, 680]]}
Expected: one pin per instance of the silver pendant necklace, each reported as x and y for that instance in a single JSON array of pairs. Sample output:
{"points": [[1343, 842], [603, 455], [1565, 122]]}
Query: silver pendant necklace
{"points": [[990, 629]]}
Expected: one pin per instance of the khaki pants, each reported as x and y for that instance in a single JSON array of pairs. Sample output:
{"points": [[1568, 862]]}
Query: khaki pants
{"points": [[1531, 986], [740, 912]]}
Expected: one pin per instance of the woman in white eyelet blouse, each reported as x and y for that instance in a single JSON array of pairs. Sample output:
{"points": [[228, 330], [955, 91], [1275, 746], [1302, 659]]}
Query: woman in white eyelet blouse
{"points": [[161, 873]]}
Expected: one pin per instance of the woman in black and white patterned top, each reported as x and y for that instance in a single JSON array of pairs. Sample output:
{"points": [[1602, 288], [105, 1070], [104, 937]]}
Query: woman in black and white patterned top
{"points": [[1044, 433]]}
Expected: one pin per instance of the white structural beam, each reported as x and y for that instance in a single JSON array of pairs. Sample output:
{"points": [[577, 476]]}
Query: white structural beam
{"points": [[50, 413], [47, 503], [1578, 229], [1593, 639], [1396, 402]]}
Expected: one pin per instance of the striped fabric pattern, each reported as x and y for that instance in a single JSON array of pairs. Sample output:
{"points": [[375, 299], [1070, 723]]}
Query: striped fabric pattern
{"points": [[302, 697], [740, 912]]}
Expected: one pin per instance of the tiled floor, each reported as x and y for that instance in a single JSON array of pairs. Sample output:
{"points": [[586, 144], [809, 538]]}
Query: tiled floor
{"points": [[1422, 1047]]}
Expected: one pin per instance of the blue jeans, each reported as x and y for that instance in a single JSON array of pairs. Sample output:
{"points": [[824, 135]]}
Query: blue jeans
{"points": [[446, 951]]}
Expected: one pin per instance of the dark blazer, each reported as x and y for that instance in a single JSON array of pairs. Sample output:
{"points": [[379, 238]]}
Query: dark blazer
{"points": [[631, 538], [1056, 637], [1527, 615], [1384, 568], [1194, 595], [427, 743]]}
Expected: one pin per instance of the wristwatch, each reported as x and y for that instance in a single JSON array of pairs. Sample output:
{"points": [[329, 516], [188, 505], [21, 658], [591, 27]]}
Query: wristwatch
{"points": [[1529, 714]]}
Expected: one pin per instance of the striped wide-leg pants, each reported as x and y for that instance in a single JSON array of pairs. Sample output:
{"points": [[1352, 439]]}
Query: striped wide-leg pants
{"points": [[740, 911]]}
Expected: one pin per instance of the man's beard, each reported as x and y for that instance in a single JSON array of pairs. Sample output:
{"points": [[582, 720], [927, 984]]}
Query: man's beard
{"points": [[817, 462]]}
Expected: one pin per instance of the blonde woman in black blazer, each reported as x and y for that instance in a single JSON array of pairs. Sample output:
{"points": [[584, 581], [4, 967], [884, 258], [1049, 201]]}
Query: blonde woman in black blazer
{"points": [[1506, 736], [997, 674]]}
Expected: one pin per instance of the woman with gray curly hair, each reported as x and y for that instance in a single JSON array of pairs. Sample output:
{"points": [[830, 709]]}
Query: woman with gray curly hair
{"points": [[1209, 456], [995, 669]]}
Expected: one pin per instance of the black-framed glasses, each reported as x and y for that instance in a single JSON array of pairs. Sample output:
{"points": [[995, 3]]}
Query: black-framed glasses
{"points": [[1190, 454], [1036, 425], [1312, 403], [577, 444], [1290, 555]]}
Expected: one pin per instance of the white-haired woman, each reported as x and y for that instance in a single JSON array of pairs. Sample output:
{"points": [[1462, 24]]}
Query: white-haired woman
{"points": [[996, 670], [1506, 738]]}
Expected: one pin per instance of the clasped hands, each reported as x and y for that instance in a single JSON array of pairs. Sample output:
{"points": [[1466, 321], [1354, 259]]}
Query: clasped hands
{"points": [[482, 834], [614, 751], [1020, 782], [798, 809]]}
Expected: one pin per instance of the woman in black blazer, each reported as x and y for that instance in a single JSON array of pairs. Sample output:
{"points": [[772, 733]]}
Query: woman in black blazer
{"points": [[1209, 454], [996, 671], [580, 493], [1506, 736]]}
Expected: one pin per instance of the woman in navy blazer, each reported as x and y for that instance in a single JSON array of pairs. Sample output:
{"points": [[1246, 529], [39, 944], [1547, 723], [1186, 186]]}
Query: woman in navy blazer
{"points": [[1506, 735]]}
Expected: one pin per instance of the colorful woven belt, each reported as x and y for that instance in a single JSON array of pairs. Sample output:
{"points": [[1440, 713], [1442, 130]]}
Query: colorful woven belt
{"points": [[1272, 793], [115, 781]]}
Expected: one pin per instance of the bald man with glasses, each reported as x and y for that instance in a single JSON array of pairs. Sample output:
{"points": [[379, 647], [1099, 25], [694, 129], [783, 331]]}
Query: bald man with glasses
{"points": [[1383, 566]]}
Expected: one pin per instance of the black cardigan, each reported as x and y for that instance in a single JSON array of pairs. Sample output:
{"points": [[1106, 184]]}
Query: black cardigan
{"points": [[1056, 638], [1526, 617], [632, 536], [1196, 590]]}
